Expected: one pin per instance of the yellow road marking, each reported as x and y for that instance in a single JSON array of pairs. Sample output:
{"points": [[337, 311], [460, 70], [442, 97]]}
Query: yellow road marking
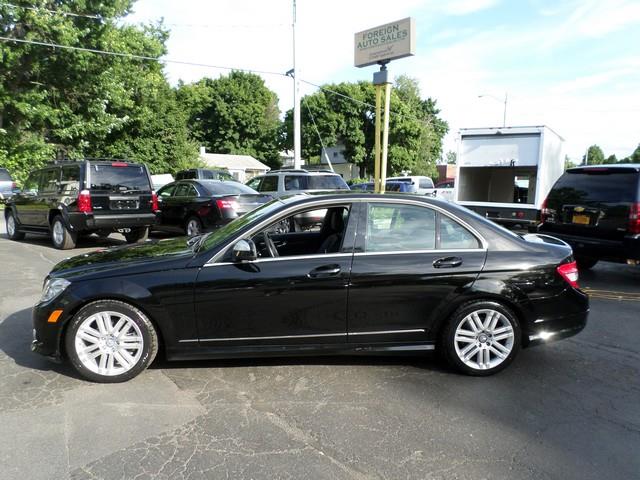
{"points": [[612, 295]]}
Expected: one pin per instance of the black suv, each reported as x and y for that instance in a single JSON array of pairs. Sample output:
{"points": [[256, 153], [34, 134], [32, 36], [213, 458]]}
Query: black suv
{"points": [[82, 197], [596, 210], [204, 174]]}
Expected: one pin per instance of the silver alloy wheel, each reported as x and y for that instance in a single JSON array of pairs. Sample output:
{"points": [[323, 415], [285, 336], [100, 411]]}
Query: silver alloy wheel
{"points": [[109, 343], [11, 225], [484, 339], [193, 227], [58, 233]]}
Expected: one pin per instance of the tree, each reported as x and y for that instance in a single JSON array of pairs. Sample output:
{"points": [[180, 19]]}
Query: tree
{"points": [[568, 163], [635, 156], [236, 113], [594, 156], [611, 159], [343, 115], [73, 103], [451, 157]]}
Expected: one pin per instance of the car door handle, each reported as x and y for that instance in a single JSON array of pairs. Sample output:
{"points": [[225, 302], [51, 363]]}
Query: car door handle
{"points": [[324, 271], [447, 262]]}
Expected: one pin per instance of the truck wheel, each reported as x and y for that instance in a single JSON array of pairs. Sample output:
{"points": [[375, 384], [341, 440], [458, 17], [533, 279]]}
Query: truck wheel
{"points": [[481, 338], [137, 235], [12, 227], [62, 238]]}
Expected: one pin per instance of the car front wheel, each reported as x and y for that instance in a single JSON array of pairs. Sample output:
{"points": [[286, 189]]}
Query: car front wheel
{"points": [[481, 338], [12, 228], [109, 341]]}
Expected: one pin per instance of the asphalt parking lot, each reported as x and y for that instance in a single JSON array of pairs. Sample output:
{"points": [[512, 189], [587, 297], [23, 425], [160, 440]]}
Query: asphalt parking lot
{"points": [[567, 410]]}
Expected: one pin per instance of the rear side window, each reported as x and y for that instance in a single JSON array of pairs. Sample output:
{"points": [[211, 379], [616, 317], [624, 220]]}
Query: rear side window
{"points": [[269, 184], [70, 179], [254, 183], [49, 180], [4, 175], [186, 175], [455, 236], [320, 182], [604, 186], [207, 175], [394, 228], [226, 188], [119, 178]]}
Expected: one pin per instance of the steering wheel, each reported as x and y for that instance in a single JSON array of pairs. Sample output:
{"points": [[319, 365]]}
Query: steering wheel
{"points": [[271, 247]]}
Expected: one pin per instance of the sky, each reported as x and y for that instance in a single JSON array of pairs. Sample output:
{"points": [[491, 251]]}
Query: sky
{"points": [[571, 65]]}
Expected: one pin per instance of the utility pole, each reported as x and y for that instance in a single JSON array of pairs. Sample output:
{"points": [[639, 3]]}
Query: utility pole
{"points": [[504, 102], [297, 144], [382, 85]]}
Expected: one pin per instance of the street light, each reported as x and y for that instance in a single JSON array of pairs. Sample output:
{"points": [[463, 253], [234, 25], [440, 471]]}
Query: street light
{"points": [[504, 115]]}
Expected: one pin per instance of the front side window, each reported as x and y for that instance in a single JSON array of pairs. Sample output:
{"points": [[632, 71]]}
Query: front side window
{"points": [[49, 181], [426, 183], [293, 182], [254, 183], [32, 185], [70, 181], [167, 191], [393, 227], [269, 184]]}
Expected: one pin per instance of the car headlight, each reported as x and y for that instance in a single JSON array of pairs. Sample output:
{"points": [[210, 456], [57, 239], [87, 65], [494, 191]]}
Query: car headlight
{"points": [[53, 287]]}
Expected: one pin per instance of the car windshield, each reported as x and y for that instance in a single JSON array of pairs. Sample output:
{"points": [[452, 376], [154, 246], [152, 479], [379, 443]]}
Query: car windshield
{"points": [[226, 188], [119, 178], [221, 234]]}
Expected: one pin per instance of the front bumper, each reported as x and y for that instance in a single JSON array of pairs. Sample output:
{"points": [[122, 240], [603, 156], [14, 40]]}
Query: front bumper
{"points": [[47, 336]]}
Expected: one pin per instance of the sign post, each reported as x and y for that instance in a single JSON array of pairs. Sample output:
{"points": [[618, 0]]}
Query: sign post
{"points": [[380, 45]]}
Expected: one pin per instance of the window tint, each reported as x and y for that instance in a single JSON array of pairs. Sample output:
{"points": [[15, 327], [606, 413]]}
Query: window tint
{"points": [[426, 183], [207, 175], [49, 180], [293, 182], [167, 191], [32, 185], [325, 182], [119, 179], [254, 183], [606, 185], [269, 184], [226, 188], [454, 236], [392, 228], [70, 181], [185, 190]]}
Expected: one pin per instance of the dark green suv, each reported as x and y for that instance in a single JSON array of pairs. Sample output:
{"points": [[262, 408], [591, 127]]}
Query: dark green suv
{"points": [[67, 199]]}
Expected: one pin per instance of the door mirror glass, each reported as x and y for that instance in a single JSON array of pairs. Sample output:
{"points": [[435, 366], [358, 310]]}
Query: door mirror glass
{"points": [[244, 251]]}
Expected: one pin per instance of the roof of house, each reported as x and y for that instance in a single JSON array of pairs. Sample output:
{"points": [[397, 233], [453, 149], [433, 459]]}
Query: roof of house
{"points": [[233, 162]]}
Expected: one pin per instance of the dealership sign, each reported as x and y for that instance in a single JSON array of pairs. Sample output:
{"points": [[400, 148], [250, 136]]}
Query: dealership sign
{"points": [[386, 42]]}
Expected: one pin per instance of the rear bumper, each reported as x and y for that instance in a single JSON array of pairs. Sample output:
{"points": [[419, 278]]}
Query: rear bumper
{"points": [[557, 329], [614, 250], [83, 222]]}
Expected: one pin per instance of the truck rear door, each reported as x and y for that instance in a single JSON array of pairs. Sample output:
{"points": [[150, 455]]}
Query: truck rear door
{"points": [[119, 188]]}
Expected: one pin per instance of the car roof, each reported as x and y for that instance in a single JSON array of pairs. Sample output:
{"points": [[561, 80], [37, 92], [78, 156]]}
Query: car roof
{"points": [[301, 172], [624, 166]]}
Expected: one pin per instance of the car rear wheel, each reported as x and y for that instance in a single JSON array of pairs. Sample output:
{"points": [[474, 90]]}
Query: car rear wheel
{"points": [[137, 235], [61, 237], [481, 338], [109, 341], [12, 228], [193, 227], [585, 263]]}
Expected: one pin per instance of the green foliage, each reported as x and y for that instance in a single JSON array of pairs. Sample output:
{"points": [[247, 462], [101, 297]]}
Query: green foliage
{"points": [[594, 156], [611, 159], [451, 157], [58, 102], [235, 114], [415, 130]]}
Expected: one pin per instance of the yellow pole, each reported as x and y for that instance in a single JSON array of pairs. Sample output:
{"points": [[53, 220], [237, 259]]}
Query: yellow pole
{"points": [[376, 148], [385, 137]]}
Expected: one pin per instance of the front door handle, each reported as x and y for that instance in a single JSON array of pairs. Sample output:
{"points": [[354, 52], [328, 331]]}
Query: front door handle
{"points": [[324, 271], [447, 262]]}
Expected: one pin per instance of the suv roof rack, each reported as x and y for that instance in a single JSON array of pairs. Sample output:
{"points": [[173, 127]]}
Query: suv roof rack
{"points": [[301, 170]]}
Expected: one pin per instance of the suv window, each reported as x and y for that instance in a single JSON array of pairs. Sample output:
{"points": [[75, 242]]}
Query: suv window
{"points": [[426, 183], [392, 227], [323, 182], [269, 184], [119, 178], [254, 183], [49, 180], [70, 179], [4, 175], [597, 185], [32, 185], [455, 236], [186, 174]]}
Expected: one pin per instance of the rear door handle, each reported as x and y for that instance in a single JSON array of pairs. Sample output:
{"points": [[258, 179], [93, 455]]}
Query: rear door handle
{"points": [[447, 262], [324, 271]]}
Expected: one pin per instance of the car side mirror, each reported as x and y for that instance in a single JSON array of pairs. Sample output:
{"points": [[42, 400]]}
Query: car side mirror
{"points": [[244, 251]]}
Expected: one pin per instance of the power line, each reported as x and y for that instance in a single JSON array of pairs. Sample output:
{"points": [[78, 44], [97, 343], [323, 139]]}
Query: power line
{"points": [[59, 12], [324, 150], [138, 57]]}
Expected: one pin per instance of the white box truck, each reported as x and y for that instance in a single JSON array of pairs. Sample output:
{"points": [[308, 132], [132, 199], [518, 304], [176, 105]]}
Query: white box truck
{"points": [[505, 173]]}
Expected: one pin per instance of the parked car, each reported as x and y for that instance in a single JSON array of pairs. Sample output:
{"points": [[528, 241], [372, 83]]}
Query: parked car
{"points": [[445, 189], [68, 199], [596, 209], [376, 277], [423, 185], [278, 183], [400, 187], [194, 206], [204, 174], [8, 187]]}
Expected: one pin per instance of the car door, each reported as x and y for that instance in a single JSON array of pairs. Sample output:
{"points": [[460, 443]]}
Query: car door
{"points": [[26, 201], [411, 261], [289, 300], [176, 205]]}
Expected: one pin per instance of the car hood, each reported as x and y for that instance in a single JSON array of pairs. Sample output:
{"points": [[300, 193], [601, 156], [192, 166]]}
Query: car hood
{"points": [[141, 257]]}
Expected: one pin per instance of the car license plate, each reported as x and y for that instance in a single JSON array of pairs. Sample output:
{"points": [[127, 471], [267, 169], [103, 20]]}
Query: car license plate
{"points": [[120, 204], [581, 219]]}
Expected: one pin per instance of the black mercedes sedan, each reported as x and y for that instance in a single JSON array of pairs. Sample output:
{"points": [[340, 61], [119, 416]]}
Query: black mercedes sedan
{"points": [[195, 206], [380, 274]]}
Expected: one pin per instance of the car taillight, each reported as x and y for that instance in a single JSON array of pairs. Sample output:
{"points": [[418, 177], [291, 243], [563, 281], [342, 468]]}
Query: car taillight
{"points": [[84, 202], [569, 271], [14, 185], [226, 204], [634, 219], [154, 202], [119, 164]]}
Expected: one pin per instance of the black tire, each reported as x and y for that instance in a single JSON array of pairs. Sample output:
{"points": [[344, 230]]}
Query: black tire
{"points": [[149, 348], [460, 317], [12, 227], [137, 235], [193, 226], [61, 237], [585, 263], [103, 233]]}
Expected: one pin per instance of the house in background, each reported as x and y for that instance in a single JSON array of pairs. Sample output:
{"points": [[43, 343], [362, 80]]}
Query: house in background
{"points": [[242, 167], [445, 171], [340, 164]]}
